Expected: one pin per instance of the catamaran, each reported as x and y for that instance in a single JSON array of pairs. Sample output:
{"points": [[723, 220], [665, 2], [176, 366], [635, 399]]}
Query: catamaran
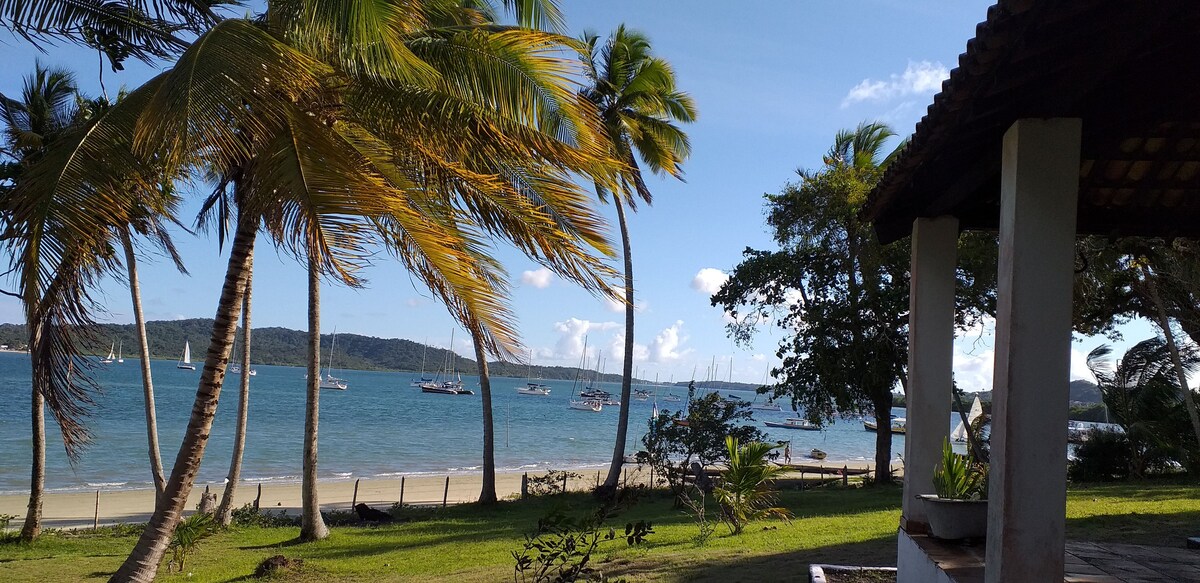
{"points": [[533, 388], [329, 381], [449, 386], [186, 362], [111, 357]]}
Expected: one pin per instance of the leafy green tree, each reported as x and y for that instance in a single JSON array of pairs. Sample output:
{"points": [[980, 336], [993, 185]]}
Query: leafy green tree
{"points": [[745, 492], [639, 105], [841, 297], [677, 439]]}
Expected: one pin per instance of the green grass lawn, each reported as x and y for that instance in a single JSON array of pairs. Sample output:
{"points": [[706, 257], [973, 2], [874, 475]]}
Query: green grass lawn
{"points": [[469, 543]]}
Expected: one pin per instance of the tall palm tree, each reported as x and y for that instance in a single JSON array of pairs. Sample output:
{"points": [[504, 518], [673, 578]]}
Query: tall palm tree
{"points": [[639, 105], [224, 514], [487, 495], [312, 525], [431, 142], [59, 245]]}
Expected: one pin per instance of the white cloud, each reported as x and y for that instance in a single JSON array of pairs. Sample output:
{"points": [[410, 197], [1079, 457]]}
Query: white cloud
{"points": [[616, 351], [919, 78], [759, 358], [709, 280], [666, 345], [571, 333], [539, 278]]}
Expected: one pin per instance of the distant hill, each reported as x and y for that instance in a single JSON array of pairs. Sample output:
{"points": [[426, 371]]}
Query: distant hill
{"points": [[1081, 392], [286, 347]]}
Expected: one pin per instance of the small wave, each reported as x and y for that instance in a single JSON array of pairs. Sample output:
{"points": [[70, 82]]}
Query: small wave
{"points": [[343, 474], [272, 479], [106, 484]]}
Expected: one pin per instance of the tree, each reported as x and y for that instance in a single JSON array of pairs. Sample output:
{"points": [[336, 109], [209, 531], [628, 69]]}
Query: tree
{"points": [[840, 296], [745, 492], [312, 525], [224, 513], [1141, 392], [638, 102], [676, 440], [487, 494], [430, 144], [58, 247]]}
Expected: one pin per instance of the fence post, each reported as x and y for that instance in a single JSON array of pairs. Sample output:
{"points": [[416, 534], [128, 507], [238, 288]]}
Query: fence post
{"points": [[354, 498], [401, 491], [524, 485], [625, 479], [446, 492], [565, 482], [845, 476], [597, 478], [96, 519], [258, 499]]}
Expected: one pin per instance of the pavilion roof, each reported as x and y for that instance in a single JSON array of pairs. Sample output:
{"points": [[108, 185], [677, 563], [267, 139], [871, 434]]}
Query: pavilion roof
{"points": [[1129, 69]]}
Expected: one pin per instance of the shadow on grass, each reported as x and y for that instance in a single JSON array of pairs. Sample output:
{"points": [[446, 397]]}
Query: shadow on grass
{"points": [[785, 566], [1162, 530]]}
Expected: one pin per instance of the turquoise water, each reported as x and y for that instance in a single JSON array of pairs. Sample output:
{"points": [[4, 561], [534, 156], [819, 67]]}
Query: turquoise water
{"points": [[381, 426]]}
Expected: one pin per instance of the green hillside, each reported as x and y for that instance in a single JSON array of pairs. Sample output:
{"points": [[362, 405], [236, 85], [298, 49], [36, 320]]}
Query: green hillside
{"points": [[282, 346]]}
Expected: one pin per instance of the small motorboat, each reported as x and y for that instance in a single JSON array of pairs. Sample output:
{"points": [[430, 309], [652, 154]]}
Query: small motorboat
{"points": [[641, 394], [898, 425], [794, 423], [534, 389], [586, 405], [672, 398], [767, 406], [817, 454]]}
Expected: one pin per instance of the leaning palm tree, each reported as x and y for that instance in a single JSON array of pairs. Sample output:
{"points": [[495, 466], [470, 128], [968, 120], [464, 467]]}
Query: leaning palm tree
{"points": [[432, 143], [224, 514], [639, 105]]}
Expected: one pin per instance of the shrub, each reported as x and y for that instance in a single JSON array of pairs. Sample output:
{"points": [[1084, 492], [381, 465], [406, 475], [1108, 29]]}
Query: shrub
{"points": [[745, 493], [551, 482], [249, 515], [1106, 455], [561, 548], [957, 478], [186, 540]]}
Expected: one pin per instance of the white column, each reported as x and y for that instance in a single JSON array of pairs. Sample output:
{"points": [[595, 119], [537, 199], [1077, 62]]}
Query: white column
{"points": [[1027, 496], [930, 360]]}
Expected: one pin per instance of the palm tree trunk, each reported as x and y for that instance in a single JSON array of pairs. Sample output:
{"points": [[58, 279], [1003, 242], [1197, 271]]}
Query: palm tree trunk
{"points": [[225, 510], [1165, 324], [618, 459], [37, 482], [312, 525], [488, 494], [147, 554], [883, 440], [139, 320]]}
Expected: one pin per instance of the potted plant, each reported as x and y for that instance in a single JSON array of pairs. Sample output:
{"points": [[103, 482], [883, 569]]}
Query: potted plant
{"points": [[959, 508]]}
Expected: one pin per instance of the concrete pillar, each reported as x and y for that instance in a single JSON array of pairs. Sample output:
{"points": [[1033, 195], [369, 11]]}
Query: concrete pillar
{"points": [[930, 360], [1027, 496]]}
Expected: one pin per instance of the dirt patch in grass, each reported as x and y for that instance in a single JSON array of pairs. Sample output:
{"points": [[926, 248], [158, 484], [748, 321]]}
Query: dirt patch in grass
{"points": [[860, 576]]}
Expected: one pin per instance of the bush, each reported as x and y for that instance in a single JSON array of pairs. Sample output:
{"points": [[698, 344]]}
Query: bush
{"points": [[1106, 455], [249, 515], [551, 482], [561, 548]]}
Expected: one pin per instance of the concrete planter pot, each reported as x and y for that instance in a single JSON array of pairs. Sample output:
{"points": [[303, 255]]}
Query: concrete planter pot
{"points": [[951, 519]]}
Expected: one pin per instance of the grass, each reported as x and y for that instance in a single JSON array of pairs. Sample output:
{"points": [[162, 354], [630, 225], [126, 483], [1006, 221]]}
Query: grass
{"points": [[470, 543]]}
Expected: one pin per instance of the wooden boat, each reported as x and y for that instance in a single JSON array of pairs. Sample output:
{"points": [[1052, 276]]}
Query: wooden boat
{"points": [[794, 423], [898, 425], [817, 454]]}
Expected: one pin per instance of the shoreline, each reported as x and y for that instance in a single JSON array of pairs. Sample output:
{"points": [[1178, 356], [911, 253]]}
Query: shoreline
{"points": [[82, 509]]}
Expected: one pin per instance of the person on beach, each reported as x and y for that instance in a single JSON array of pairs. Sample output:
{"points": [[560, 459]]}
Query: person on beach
{"points": [[787, 453]]}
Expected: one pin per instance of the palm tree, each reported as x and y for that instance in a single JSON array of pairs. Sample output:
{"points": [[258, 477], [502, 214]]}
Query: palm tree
{"points": [[312, 525], [456, 133], [53, 276], [639, 103], [225, 510], [745, 493], [488, 494], [1141, 393]]}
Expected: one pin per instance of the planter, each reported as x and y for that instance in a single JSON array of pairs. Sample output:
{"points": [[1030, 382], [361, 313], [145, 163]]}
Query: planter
{"points": [[951, 519]]}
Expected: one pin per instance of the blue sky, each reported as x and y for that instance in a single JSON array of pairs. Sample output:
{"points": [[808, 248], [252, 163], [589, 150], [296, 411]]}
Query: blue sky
{"points": [[773, 83]]}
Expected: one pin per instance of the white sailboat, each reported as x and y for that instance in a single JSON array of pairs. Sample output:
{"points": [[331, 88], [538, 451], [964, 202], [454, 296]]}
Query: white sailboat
{"points": [[960, 432], [185, 362], [449, 386], [329, 381], [421, 380], [769, 404], [111, 356], [120, 352], [587, 404], [531, 388]]}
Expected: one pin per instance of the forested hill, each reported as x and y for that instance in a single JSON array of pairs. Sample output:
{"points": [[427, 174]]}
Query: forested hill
{"points": [[282, 346]]}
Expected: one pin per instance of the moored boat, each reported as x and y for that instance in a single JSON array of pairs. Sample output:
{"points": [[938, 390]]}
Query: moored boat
{"points": [[534, 389], [794, 423], [817, 454], [898, 425], [586, 405], [185, 362]]}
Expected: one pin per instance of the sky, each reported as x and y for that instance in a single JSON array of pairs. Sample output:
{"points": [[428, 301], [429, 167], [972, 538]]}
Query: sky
{"points": [[773, 82]]}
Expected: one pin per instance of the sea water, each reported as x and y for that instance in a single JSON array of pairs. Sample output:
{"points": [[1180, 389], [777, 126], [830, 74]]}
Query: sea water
{"points": [[380, 426]]}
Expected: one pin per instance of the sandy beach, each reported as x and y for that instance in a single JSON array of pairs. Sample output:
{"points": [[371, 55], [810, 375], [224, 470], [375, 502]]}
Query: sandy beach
{"points": [[81, 509]]}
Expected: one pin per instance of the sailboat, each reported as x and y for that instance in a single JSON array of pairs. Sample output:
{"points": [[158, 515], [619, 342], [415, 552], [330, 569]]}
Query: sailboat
{"points": [[186, 361], [960, 432], [421, 380], [236, 367], [533, 388], [448, 386], [111, 357], [769, 404], [329, 381], [587, 403]]}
